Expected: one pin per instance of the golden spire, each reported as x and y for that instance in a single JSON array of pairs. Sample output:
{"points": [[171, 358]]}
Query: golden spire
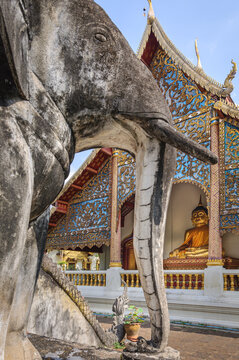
{"points": [[199, 65], [151, 15], [200, 201]]}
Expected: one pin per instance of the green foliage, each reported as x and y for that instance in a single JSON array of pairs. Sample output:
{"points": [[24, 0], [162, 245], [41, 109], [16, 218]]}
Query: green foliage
{"points": [[119, 345], [135, 315], [61, 263]]}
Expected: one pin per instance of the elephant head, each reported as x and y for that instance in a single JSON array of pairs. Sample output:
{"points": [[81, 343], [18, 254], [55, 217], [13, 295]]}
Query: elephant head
{"points": [[70, 53]]}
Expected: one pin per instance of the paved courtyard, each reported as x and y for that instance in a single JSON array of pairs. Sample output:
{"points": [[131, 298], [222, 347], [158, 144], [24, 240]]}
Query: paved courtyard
{"points": [[203, 344]]}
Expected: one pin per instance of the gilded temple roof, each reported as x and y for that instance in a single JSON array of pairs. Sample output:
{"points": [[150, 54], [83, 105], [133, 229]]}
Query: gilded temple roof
{"points": [[196, 73]]}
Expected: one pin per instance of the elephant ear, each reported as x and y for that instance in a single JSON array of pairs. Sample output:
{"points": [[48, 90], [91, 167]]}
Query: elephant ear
{"points": [[15, 39]]}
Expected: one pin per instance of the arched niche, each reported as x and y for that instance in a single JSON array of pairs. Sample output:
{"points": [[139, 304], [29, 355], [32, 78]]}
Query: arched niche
{"points": [[184, 198]]}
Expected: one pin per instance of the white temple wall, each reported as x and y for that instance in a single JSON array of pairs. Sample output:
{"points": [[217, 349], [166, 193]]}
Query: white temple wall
{"points": [[230, 243], [184, 198]]}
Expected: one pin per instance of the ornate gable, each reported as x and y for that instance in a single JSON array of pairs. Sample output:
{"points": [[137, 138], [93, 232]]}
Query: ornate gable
{"points": [[196, 101], [86, 222]]}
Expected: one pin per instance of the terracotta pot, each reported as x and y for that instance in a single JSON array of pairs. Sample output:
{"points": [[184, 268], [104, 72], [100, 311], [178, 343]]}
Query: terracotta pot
{"points": [[132, 331]]}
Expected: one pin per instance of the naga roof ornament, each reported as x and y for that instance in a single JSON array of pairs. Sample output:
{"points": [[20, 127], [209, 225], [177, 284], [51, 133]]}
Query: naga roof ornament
{"points": [[228, 86]]}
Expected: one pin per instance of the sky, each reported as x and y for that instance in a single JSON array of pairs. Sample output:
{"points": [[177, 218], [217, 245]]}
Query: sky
{"points": [[214, 23]]}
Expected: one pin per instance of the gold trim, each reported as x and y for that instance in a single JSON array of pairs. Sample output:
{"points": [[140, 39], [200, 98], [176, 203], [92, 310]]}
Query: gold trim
{"points": [[214, 120], [115, 152], [227, 109], [115, 264], [66, 246], [215, 262]]}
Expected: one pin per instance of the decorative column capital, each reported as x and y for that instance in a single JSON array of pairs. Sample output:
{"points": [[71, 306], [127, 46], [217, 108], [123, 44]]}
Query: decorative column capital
{"points": [[115, 152], [215, 262], [214, 120], [115, 264]]}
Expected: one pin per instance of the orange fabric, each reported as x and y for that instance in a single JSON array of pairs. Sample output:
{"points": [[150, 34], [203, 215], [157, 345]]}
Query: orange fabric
{"points": [[197, 237]]}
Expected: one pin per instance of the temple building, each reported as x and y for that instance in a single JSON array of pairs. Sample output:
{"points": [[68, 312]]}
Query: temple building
{"points": [[94, 213]]}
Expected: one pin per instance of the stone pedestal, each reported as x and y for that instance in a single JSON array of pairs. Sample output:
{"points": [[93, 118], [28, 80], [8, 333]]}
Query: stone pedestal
{"points": [[113, 279], [213, 281], [168, 354]]}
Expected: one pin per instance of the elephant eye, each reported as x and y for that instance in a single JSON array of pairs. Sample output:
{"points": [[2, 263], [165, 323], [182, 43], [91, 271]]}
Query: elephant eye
{"points": [[100, 37]]}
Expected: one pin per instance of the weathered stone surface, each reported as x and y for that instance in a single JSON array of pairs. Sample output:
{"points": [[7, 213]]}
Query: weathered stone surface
{"points": [[143, 350], [54, 315], [76, 301], [17, 345], [168, 354], [14, 32], [52, 349]]}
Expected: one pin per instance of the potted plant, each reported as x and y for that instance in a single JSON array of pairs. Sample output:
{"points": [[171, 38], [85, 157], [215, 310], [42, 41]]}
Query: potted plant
{"points": [[132, 322]]}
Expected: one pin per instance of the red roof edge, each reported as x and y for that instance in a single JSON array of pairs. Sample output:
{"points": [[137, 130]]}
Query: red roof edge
{"points": [[150, 48]]}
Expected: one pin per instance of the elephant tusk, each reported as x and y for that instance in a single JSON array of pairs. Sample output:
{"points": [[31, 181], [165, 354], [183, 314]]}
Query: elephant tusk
{"points": [[155, 164], [167, 133]]}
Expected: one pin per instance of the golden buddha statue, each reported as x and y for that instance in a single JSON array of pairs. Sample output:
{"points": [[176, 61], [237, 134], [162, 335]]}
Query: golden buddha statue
{"points": [[196, 239]]}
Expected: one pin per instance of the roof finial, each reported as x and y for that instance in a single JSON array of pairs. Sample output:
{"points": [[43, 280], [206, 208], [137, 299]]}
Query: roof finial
{"points": [[199, 65], [151, 15]]}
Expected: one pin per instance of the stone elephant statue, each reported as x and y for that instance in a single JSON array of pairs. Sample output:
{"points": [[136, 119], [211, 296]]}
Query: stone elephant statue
{"points": [[70, 82]]}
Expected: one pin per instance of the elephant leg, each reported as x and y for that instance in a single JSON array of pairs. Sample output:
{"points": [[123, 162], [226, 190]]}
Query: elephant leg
{"points": [[154, 172], [16, 189], [18, 347]]}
